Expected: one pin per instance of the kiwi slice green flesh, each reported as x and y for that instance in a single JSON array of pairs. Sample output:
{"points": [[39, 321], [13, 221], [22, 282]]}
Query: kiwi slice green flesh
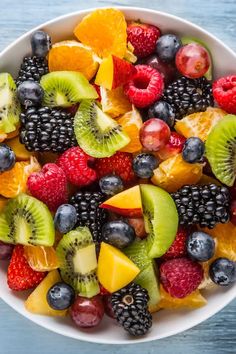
{"points": [[96, 133], [160, 217], [221, 150], [9, 104], [27, 221], [78, 263], [147, 277], [65, 88]]}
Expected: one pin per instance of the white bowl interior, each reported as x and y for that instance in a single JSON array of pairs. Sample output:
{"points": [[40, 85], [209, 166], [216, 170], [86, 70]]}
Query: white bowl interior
{"points": [[166, 323]]}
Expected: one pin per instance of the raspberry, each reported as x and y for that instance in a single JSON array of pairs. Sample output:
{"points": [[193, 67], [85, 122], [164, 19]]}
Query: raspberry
{"points": [[146, 86], [74, 163], [119, 164], [181, 276], [224, 92], [19, 275], [143, 38], [49, 185], [173, 147], [178, 247]]}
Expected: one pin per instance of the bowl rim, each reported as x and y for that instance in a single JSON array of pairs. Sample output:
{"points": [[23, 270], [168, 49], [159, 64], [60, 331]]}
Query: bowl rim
{"points": [[186, 324]]}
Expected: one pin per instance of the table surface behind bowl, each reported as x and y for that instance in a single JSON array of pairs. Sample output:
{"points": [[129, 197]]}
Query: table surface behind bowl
{"points": [[17, 334]]}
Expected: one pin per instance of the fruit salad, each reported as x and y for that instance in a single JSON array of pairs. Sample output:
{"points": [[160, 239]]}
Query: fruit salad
{"points": [[117, 173]]}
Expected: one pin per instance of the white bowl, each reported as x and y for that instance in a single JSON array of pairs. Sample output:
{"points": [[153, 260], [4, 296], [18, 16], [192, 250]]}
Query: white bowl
{"points": [[166, 323]]}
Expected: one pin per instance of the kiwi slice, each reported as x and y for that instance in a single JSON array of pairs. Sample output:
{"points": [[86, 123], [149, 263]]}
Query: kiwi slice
{"points": [[66, 88], [96, 133], [9, 104], [78, 262], [27, 221], [160, 217], [221, 150], [147, 278]]}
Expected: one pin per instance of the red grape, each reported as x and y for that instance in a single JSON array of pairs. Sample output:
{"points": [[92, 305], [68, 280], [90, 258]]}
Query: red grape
{"points": [[5, 251], [154, 134], [192, 60], [87, 313], [107, 305], [167, 70], [233, 212]]}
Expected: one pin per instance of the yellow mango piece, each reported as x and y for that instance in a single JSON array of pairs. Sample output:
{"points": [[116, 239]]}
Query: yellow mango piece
{"points": [[115, 269], [37, 301]]}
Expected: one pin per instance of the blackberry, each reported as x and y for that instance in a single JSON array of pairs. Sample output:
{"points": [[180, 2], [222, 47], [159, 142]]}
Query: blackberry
{"points": [[47, 129], [129, 306], [204, 205], [88, 212], [32, 68], [187, 96]]}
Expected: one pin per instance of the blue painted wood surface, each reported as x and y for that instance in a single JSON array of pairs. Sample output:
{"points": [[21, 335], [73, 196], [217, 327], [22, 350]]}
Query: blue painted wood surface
{"points": [[20, 336]]}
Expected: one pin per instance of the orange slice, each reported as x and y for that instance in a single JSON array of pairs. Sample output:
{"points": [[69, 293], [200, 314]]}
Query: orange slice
{"points": [[208, 180], [73, 56], [199, 124], [104, 30], [114, 102], [131, 123], [19, 149], [174, 173], [40, 258]]}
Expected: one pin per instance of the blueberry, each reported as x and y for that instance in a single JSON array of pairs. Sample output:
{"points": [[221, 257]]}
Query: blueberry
{"points": [[30, 93], [111, 185], [200, 246], [40, 43], [193, 150], [144, 164], [65, 218], [7, 158], [167, 47], [118, 233], [60, 296], [223, 271], [163, 111]]}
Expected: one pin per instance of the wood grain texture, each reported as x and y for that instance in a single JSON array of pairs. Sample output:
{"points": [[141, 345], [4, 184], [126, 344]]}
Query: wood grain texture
{"points": [[17, 334]]}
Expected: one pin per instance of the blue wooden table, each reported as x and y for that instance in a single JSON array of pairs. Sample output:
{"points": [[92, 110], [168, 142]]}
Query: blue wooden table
{"points": [[18, 335]]}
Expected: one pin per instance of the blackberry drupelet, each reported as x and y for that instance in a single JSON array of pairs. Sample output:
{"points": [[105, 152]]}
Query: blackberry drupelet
{"points": [[130, 309], [187, 96], [47, 129], [88, 212], [204, 205], [32, 68]]}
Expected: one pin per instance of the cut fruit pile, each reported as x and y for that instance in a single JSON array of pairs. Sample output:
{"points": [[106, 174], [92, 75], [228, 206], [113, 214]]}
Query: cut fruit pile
{"points": [[117, 179]]}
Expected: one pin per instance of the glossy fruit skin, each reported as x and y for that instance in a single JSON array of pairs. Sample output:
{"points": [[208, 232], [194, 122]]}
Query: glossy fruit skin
{"points": [[162, 110], [192, 60], [193, 150], [60, 296], [7, 158], [118, 233], [167, 46], [144, 164], [178, 247], [200, 246], [40, 43], [107, 306], [223, 271], [65, 218], [173, 147], [154, 134], [167, 70], [5, 251], [139, 227], [111, 185], [87, 313], [224, 92], [233, 212], [30, 93]]}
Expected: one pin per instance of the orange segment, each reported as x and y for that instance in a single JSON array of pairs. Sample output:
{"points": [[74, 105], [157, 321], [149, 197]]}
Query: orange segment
{"points": [[208, 180], [174, 173], [40, 258], [19, 149], [114, 102], [131, 123], [104, 30], [199, 124], [73, 56]]}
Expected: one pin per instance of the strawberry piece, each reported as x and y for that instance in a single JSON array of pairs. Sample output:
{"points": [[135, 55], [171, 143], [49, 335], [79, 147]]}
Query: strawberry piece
{"points": [[49, 185], [19, 275], [178, 247], [224, 92], [173, 147]]}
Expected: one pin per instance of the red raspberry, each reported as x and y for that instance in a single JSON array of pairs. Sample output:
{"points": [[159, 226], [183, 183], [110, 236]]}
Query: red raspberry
{"points": [[180, 276], [75, 164], [143, 38], [97, 88], [49, 185], [145, 87], [178, 247], [224, 92], [119, 164], [173, 147], [19, 275]]}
